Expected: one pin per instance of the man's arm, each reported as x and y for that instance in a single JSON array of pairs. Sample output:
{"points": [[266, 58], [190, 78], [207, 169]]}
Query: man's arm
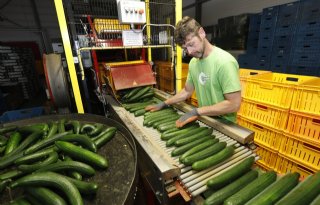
{"points": [[229, 105]]}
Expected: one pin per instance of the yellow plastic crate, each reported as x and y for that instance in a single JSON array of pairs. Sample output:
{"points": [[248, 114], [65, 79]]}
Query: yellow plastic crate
{"points": [[285, 165], [306, 97], [109, 25], [268, 158], [300, 152], [247, 73], [273, 88], [305, 127], [262, 114], [263, 136]]}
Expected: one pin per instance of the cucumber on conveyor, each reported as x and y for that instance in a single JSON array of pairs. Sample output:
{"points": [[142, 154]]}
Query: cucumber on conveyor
{"points": [[231, 174], [276, 191], [219, 196], [303, 193], [139, 94], [201, 131], [252, 189]]}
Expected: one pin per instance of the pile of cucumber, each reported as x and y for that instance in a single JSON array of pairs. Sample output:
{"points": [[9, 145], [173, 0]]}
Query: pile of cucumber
{"points": [[138, 94], [241, 185], [50, 161]]}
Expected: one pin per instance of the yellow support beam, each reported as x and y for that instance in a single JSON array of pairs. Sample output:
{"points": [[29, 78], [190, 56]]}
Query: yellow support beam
{"points": [[148, 29], [179, 84], [68, 52]]}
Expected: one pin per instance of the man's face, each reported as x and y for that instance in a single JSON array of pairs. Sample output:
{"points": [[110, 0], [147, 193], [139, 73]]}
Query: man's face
{"points": [[194, 46]]}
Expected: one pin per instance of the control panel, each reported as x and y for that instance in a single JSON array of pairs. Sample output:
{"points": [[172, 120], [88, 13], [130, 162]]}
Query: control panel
{"points": [[133, 12]]}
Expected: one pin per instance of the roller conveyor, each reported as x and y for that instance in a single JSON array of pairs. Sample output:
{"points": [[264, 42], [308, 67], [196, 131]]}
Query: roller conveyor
{"points": [[193, 182]]}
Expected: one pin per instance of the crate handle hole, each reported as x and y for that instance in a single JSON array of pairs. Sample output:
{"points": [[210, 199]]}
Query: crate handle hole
{"points": [[262, 107], [304, 169], [309, 146], [253, 73], [258, 126], [316, 121], [292, 79]]}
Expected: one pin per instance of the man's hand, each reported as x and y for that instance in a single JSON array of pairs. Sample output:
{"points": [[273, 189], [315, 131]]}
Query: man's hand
{"points": [[156, 107], [187, 117]]}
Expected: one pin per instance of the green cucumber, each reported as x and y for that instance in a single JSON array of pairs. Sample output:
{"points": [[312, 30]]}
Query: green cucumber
{"points": [[163, 121], [196, 148], [231, 174], [182, 149], [11, 174], [40, 127], [83, 186], [86, 128], [45, 196], [53, 129], [303, 193], [316, 201], [69, 165], [4, 184], [214, 159], [73, 174], [132, 92], [98, 127], [204, 153], [140, 93], [75, 126], [196, 131], [81, 154], [51, 179], [151, 121], [34, 157], [219, 196], [102, 140], [193, 137], [252, 189], [52, 158], [166, 136], [6, 129], [61, 127], [20, 201], [277, 190], [3, 140], [13, 142], [140, 112]]}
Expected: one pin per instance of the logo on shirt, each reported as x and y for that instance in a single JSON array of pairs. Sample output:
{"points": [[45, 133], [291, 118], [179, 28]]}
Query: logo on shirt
{"points": [[203, 78]]}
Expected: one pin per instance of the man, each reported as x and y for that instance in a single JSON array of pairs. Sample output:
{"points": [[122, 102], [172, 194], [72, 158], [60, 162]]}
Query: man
{"points": [[213, 73]]}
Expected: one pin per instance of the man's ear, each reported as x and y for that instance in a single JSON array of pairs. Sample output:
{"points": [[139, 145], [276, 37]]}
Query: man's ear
{"points": [[202, 33]]}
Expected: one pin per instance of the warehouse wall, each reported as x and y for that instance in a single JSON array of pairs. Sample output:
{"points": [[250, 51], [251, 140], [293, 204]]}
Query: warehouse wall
{"points": [[215, 9], [18, 22]]}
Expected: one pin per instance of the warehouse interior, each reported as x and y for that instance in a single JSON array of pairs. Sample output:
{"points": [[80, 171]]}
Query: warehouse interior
{"points": [[76, 77]]}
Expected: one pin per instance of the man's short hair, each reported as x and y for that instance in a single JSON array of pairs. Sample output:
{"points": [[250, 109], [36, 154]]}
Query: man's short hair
{"points": [[184, 27]]}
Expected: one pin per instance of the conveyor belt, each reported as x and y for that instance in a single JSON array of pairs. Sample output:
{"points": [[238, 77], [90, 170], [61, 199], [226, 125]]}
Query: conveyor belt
{"points": [[195, 181]]}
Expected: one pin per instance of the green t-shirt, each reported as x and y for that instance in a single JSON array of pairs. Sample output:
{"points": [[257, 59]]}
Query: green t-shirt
{"points": [[213, 76]]}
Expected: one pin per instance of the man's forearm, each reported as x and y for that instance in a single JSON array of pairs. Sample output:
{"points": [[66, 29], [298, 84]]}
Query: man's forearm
{"points": [[179, 97]]}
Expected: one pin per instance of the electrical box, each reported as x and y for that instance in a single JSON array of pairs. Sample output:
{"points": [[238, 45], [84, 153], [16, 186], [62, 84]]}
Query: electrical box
{"points": [[131, 12]]}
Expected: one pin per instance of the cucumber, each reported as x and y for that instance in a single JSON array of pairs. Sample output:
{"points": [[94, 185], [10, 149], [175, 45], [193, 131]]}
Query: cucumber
{"points": [[102, 140], [11, 174], [40, 127], [196, 131], [20, 201], [6, 129], [69, 165], [303, 193], [51, 179], [163, 121], [140, 112], [73, 174], [166, 136], [140, 93], [3, 140], [61, 127], [83, 186], [147, 95], [277, 190], [231, 174], [252, 189], [149, 122], [194, 149], [33, 200], [13, 142], [52, 158], [104, 131], [31, 158], [188, 139], [132, 92], [97, 129], [167, 126], [132, 105], [86, 128], [214, 159], [53, 129], [180, 150], [219, 196], [46, 196], [204, 153], [81, 154]]}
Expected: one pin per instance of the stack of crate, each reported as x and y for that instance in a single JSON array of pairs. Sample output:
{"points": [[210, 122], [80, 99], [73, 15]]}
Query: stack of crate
{"points": [[300, 144], [284, 36], [17, 66], [265, 109], [305, 57]]}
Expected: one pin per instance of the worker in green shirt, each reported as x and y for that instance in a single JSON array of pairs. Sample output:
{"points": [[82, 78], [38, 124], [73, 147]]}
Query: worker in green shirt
{"points": [[213, 74]]}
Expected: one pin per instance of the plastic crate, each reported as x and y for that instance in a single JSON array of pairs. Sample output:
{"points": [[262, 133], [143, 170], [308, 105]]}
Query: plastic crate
{"points": [[310, 10], [285, 165], [263, 136], [265, 115], [305, 127], [273, 88], [306, 97], [300, 151], [21, 114], [304, 70], [268, 158], [247, 73]]}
